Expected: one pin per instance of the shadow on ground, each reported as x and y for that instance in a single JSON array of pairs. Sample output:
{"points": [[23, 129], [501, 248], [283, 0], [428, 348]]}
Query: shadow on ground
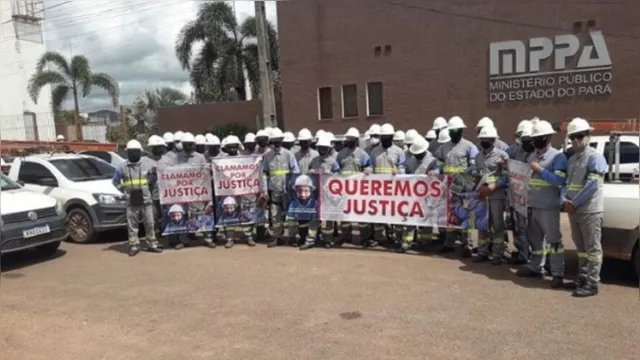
{"points": [[15, 261]]}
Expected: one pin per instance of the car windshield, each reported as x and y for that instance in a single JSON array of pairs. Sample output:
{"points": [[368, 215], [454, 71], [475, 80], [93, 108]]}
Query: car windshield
{"points": [[84, 168], [8, 184]]}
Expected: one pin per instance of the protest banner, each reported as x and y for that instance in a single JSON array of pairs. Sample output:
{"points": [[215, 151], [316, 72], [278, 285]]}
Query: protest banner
{"points": [[519, 175], [237, 189], [412, 200], [466, 209], [301, 199], [185, 196]]}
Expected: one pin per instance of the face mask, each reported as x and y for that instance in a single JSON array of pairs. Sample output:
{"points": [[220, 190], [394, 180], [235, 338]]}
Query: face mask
{"points": [[170, 146], [518, 141], [133, 156], [232, 150], [262, 141], [157, 150], [323, 150], [200, 148], [277, 144], [456, 136], [304, 145], [486, 144], [374, 140], [188, 147], [338, 146], [251, 147], [420, 156], [437, 133], [287, 145], [214, 150], [179, 146], [527, 146], [579, 141], [351, 143], [386, 141], [540, 142]]}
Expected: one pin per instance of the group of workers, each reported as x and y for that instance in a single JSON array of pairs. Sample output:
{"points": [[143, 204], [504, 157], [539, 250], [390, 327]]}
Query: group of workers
{"points": [[557, 184]]}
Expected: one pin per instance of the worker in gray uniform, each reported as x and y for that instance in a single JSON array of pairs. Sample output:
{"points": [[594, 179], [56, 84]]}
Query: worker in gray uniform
{"points": [[353, 160], [427, 164], [549, 167], [374, 138], [157, 148], [583, 199], [458, 155], [386, 159], [491, 163], [486, 121], [249, 144], [439, 124], [520, 151], [133, 178], [277, 163], [304, 154], [261, 146]]}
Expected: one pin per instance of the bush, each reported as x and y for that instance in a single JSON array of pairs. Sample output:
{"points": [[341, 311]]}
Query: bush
{"points": [[224, 130]]}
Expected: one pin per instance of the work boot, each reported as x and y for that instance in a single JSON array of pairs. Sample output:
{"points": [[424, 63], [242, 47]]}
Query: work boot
{"points": [[328, 244], [474, 250], [133, 250], [586, 291], [338, 244], [178, 246], [210, 244], [229, 244], [527, 272], [497, 261], [575, 285], [466, 252], [404, 247], [294, 242], [446, 249], [517, 260], [272, 243], [250, 242], [154, 249], [371, 243], [306, 246], [481, 259], [557, 282]]}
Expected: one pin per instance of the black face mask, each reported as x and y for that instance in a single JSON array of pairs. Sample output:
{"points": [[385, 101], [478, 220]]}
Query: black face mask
{"points": [[313, 146], [351, 143], [170, 146], [486, 144], [456, 136], [540, 142], [386, 141], [277, 144], [262, 141], [188, 147], [133, 155], [200, 148], [338, 146], [304, 144], [323, 150], [251, 147], [437, 133], [420, 156], [287, 145], [157, 150], [232, 150], [527, 146], [214, 150]]}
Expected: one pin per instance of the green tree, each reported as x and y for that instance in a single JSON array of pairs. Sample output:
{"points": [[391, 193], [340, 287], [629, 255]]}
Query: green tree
{"points": [[217, 70], [69, 79], [142, 115], [223, 130]]}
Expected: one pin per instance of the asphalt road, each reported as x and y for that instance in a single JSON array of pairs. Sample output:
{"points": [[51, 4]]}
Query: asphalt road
{"points": [[94, 302]]}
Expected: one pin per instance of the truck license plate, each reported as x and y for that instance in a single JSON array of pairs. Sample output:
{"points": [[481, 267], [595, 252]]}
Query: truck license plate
{"points": [[40, 230]]}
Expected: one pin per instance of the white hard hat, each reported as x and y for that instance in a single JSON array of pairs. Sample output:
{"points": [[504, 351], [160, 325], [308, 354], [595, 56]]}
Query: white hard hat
{"points": [[233, 140], [485, 121], [176, 208], [410, 136], [289, 137], [431, 135], [578, 125], [535, 120], [155, 140], [419, 146], [188, 137], [224, 142], [367, 134], [387, 129], [352, 132], [374, 129], [523, 125], [229, 200], [200, 140], [488, 132], [330, 136], [208, 135], [439, 123], [304, 180], [443, 136], [213, 140], [319, 133], [324, 140], [399, 136], [456, 123], [178, 136], [168, 137], [261, 133], [276, 134], [304, 135], [134, 145], [250, 138], [542, 128], [60, 137], [268, 130]]}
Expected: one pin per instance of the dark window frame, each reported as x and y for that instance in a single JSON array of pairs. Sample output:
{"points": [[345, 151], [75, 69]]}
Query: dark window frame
{"points": [[30, 176], [381, 105], [325, 111], [349, 113]]}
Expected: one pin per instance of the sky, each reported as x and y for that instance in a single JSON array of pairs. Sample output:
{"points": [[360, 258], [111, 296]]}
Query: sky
{"points": [[131, 40]]}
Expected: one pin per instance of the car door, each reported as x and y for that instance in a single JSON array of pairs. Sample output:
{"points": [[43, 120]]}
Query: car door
{"points": [[37, 177], [629, 158]]}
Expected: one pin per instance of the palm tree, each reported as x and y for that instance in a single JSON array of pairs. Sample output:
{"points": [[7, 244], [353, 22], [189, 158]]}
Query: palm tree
{"points": [[70, 78], [217, 70], [146, 105]]}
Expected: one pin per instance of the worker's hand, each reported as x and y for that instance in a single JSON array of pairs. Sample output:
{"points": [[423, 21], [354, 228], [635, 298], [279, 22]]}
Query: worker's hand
{"points": [[367, 171], [265, 195], [313, 171], [569, 207], [484, 191], [394, 171], [326, 172], [535, 166]]}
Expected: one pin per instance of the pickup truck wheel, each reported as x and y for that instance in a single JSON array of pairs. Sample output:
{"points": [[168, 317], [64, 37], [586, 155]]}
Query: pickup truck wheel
{"points": [[50, 248], [80, 226]]}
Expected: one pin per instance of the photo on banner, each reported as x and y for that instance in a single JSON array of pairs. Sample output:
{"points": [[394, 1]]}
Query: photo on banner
{"points": [[519, 175], [467, 210], [185, 196], [412, 200], [238, 190], [301, 199]]}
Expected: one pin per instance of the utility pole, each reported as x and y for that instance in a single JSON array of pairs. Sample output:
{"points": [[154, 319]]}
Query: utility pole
{"points": [[264, 59]]}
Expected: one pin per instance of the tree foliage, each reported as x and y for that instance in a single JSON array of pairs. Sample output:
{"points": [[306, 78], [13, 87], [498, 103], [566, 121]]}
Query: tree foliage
{"points": [[223, 130]]}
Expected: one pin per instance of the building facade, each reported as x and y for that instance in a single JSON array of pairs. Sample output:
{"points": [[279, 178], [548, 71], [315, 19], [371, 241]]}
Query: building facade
{"points": [[21, 45], [358, 62]]}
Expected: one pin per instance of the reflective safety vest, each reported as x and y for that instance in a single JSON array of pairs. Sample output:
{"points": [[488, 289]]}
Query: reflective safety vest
{"points": [[456, 156], [386, 160], [493, 166], [577, 177], [350, 161], [543, 195], [135, 176], [277, 166]]}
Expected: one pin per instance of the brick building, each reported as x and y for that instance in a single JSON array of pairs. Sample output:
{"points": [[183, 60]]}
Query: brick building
{"points": [[356, 62]]}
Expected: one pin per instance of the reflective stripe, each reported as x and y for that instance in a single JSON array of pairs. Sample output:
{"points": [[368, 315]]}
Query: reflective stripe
{"points": [[559, 251], [135, 182], [407, 237], [583, 255], [575, 187], [347, 172], [279, 172], [540, 183], [537, 252], [483, 241], [594, 177], [595, 257], [448, 169], [560, 173], [303, 225], [383, 170], [492, 179]]}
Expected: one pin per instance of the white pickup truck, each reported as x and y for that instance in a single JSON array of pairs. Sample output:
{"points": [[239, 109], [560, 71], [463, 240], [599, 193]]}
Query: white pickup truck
{"points": [[621, 225]]}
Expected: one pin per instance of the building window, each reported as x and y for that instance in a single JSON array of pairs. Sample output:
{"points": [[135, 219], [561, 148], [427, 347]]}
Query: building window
{"points": [[349, 101], [374, 99], [325, 105]]}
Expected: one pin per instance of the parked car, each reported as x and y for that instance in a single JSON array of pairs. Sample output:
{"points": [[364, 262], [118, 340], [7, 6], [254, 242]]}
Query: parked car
{"points": [[29, 219], [111, 157], [82, 183], [621, 223]]}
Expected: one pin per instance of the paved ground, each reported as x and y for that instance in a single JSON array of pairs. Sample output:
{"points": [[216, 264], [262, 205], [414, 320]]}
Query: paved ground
{"points": [[94, 302]]}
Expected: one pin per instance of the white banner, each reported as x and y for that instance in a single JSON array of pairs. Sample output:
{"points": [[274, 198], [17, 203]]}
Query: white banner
{"points": [[412, 200], [180, 184], [237, 175], [519, 174]]}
